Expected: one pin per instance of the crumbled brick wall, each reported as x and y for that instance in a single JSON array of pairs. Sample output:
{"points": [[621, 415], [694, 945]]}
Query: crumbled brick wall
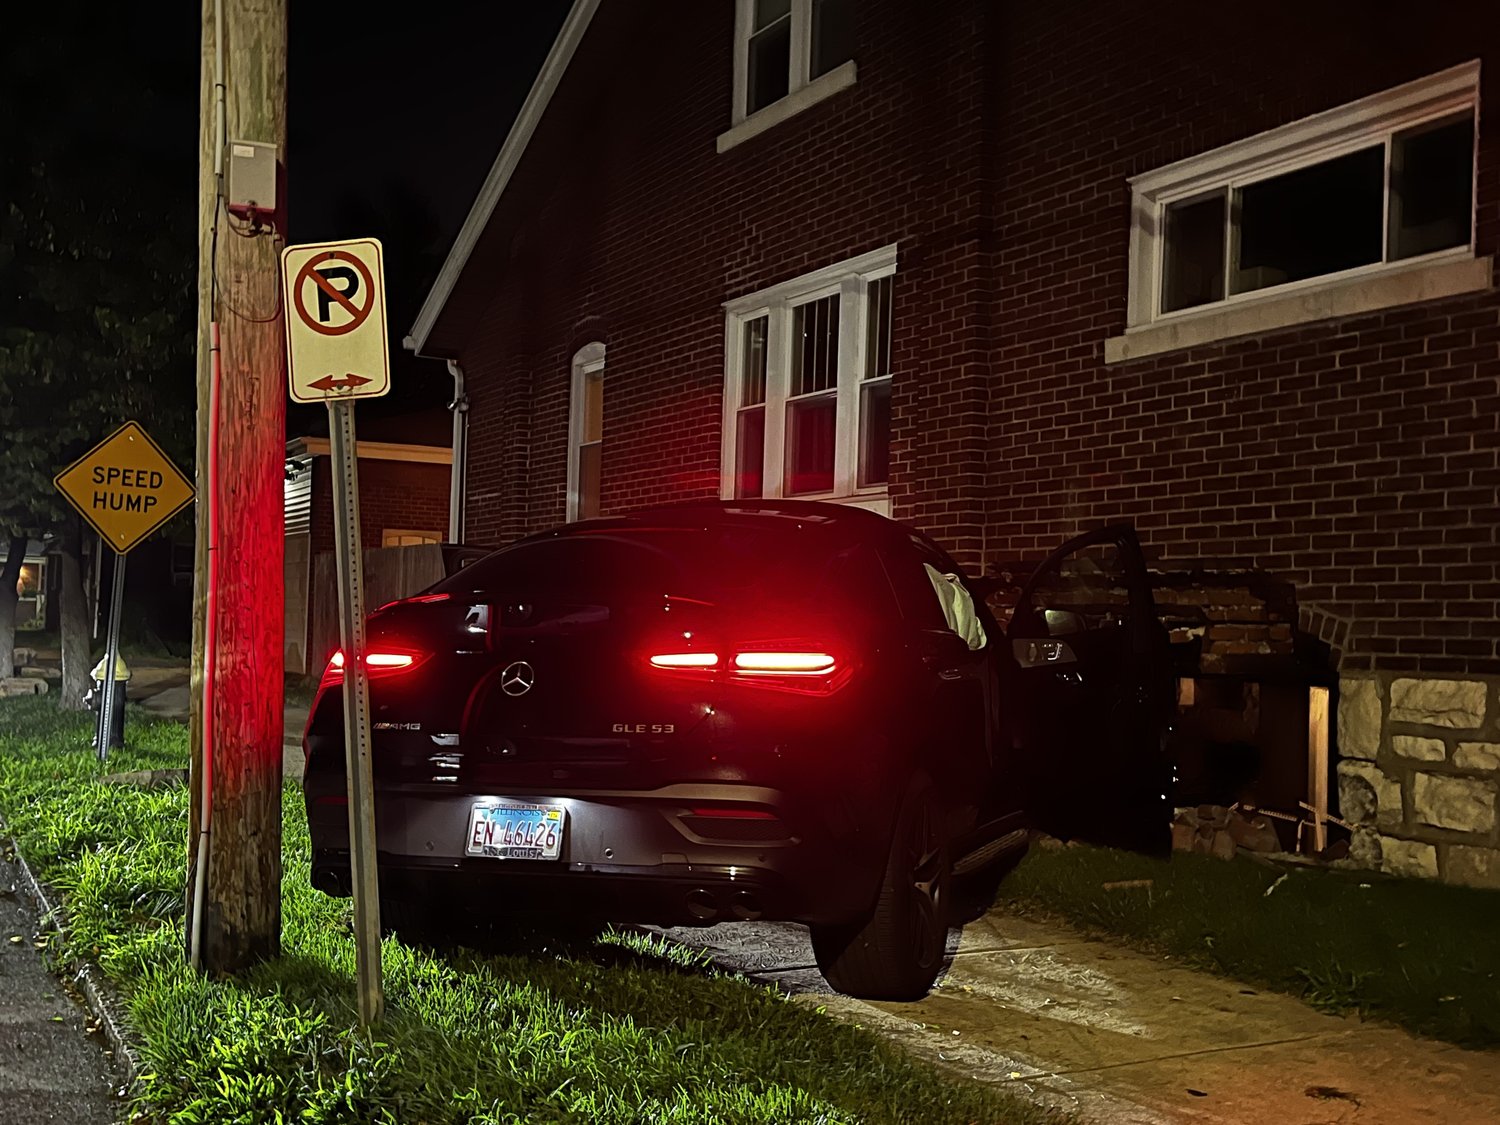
{"points": [[1356, 460], [1226, 622]]}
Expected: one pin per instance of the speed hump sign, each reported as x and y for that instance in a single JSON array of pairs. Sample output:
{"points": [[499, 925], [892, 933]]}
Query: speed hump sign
{"points": [[336, 342]]}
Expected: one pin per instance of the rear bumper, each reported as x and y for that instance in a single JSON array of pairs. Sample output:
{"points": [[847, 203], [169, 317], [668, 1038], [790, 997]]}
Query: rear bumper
{"points": [[626, 856], [670, 894]]}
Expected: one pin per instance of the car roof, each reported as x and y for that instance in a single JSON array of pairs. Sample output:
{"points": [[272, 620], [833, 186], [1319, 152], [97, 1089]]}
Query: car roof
{"points": [[839, 519]]}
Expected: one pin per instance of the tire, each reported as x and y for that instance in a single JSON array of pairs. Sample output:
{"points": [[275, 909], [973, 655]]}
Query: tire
{"points": [[898, 951]]}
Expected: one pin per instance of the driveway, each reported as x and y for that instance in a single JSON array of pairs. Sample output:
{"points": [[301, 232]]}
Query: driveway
{"points": [[1126, 1039]]}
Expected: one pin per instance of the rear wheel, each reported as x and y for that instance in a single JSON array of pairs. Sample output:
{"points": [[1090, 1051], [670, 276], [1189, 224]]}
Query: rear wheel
{"points": [[897, 952]]}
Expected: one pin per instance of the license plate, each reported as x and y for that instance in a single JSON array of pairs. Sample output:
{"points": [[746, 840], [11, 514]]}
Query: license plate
{"points": [[515, 830]]}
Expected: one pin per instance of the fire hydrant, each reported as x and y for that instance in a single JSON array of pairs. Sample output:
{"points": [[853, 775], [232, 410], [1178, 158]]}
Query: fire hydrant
{"points": [[117, 717]]}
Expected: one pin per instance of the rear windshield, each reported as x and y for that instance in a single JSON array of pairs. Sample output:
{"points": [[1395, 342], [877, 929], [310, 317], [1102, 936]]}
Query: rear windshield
{"points": [[720, 565]]}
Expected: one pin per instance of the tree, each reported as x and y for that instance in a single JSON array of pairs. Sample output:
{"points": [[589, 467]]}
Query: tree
{"points": [[96, 261]]}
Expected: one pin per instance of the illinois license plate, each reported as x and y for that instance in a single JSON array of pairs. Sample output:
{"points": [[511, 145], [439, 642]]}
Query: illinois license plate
{"points": [[515, 830]]}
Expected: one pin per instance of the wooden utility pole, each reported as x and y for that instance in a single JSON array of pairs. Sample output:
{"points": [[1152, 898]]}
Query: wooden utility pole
{"points": [[234, 902]]}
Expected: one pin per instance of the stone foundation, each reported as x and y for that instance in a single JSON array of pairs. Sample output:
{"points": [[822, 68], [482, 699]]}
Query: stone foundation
{"points": [[1418, 774]]}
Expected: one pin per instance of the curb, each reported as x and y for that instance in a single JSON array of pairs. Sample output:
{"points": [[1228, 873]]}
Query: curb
{"points": [[97, 994]]}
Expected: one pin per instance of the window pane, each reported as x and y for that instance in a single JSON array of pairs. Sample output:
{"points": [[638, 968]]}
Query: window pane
{"points": [[832, 34], [875, 433], [1432, 181], [750, 452], [878, 329], [815, 345], [1193, 262], [768, 12], [770, 65], [753, 362], [588, 480], [1313, 221], [809, 445], [593, 407]]}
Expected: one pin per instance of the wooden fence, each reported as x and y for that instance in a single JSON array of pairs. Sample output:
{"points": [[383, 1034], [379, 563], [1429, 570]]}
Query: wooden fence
{"points": [[390, 573]]}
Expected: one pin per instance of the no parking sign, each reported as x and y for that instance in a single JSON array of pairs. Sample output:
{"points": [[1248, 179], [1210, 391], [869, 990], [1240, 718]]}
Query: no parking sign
{"points": [[336, 340]]}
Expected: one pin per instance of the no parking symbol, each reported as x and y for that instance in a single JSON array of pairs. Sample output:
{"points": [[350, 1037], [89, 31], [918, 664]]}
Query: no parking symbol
{"points": [[335, 327]]}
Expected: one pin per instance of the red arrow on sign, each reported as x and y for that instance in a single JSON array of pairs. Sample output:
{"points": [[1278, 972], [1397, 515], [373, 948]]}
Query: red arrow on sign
{"points": [[347, 383]]}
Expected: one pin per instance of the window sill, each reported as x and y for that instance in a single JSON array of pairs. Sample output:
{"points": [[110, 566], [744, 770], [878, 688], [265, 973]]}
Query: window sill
{"points": [[1347, 297], [877, 502], [819, 89]]}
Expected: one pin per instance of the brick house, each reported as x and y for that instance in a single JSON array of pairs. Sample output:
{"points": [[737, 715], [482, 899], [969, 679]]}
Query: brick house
{"points": [[1009, 271]]}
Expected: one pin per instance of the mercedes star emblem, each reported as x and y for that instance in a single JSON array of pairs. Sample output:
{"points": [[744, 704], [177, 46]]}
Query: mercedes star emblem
{"points": [[518, 678]]}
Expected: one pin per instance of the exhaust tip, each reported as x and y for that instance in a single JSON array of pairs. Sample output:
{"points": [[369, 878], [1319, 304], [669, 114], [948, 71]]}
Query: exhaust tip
{"points": [[330, 881], [702, 905], [746, 907]]}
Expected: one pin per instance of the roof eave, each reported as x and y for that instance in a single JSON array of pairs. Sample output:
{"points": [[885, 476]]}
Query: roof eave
{"points": [[547, 81]]}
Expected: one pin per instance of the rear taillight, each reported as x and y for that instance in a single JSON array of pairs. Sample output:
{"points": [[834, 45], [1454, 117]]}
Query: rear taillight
{"points": [[784, 663], [690, 660], [381, 662], [807, 669]]}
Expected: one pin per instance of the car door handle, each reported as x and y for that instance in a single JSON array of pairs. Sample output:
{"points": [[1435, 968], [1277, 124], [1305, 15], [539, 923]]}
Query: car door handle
{"points": [[951, 674]]}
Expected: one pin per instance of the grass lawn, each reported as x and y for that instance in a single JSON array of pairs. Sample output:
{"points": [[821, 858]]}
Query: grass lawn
{"points": [[1417, 953], [625, 1030]]}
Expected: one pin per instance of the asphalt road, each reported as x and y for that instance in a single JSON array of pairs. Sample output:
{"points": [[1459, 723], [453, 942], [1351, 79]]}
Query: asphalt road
{"points": [[51, 1067]]}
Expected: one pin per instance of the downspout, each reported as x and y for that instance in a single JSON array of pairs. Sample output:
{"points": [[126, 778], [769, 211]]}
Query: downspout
{"points": [[458, 472]]}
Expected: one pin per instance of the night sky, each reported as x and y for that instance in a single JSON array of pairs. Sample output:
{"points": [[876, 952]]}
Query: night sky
{"points": [[392, 126], [444, 84]]}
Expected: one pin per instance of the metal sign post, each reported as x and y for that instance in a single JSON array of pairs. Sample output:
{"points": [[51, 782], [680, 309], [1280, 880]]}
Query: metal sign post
{"points": [[336, 353], [111, 657], [356, 711]]}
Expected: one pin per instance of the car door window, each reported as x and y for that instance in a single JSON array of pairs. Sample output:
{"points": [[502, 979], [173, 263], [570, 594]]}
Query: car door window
{"points": [[1083, 597], [943, 602]]}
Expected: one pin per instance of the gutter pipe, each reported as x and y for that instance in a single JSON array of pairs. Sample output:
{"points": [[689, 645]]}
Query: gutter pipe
{"points": [[458, 471]]}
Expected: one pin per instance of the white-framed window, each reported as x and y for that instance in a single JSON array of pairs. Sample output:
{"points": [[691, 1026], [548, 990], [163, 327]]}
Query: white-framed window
{"points": [[1377, 186], [788, 55], [807, 392], [406, 537], [585, 432]]}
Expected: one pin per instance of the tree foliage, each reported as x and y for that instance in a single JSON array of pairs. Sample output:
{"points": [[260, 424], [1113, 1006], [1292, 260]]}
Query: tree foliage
{"points": [[96, 269]]}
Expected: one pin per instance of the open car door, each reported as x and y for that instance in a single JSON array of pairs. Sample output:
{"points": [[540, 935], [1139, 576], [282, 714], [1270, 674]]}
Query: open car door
{"points": [[1089, 695]]}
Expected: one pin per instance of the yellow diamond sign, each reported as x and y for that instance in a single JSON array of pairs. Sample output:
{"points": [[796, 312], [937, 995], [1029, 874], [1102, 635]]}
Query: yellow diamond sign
{"points": [[125, 487]]}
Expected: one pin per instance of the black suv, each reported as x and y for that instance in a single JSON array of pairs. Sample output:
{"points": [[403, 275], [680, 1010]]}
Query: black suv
{"points": [[742, 710]]}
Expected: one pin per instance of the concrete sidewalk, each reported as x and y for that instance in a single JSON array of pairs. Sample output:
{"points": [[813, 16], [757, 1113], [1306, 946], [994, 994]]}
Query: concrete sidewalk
{"points": [[52, 1067], [1125, 1039], [165, 695]]}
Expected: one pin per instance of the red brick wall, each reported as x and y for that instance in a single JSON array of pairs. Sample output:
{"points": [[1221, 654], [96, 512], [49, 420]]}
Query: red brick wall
{"points": [[412, 496], [623, 224], [1355, 459]]}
